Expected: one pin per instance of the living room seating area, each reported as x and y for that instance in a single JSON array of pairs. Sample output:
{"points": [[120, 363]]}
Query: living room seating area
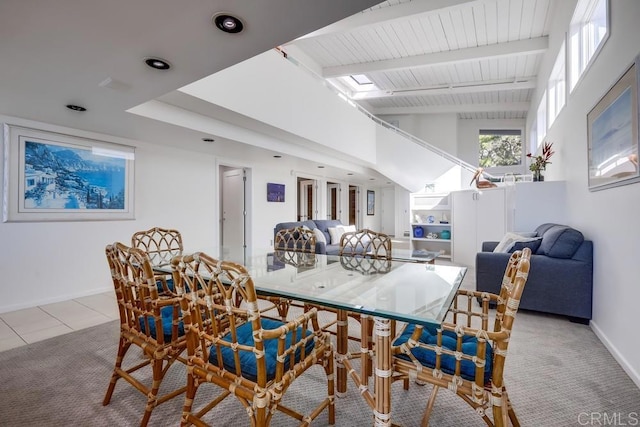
{"points": [[561, 278]]}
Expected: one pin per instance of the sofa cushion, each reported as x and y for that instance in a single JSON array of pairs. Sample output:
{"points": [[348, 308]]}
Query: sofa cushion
{"points": [[324, 224], [335, 233], [532, 244], [560, 241], [320, 237], [509, 240]]}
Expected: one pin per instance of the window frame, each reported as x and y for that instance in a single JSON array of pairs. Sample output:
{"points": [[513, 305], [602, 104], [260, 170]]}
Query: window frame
{"points": [[507, 130], [541, 119], [579, 26], [557, 87]]}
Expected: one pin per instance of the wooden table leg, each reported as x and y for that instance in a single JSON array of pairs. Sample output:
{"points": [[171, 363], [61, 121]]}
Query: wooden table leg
{"points": [[382, 373], [342, 339]]}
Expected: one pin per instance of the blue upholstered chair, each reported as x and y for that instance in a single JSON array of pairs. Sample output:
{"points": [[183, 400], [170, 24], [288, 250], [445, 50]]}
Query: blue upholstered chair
{"points": [[464, 354], [232, 346], [148, 321]]}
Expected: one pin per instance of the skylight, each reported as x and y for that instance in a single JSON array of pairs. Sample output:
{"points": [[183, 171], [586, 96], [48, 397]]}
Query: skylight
{"points": [[361, 79]]}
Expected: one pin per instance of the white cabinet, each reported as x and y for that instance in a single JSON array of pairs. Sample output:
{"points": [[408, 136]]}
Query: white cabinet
{"points": [[431, 223], [477, 216]]}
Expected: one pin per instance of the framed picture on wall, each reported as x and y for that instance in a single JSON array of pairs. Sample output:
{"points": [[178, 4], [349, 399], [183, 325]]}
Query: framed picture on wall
{"points": [[371, 202], [613, 134], [275, 192], [56, 177]]}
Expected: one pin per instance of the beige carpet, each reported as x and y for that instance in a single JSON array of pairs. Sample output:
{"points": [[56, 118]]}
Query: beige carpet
{"points": [[558, 374]]}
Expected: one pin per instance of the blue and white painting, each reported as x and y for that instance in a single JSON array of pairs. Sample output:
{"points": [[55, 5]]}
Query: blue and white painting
{"points": [[68, 178], [612, 136]]}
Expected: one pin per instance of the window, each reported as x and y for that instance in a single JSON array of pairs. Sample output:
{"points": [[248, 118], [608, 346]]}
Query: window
{"points": [[589, 29], [557, 88], [533, 137], [500, 148], [541, 118]]}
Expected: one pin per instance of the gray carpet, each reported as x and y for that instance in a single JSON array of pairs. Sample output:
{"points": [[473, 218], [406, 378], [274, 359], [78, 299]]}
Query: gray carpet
{"points": [[556, 371]]}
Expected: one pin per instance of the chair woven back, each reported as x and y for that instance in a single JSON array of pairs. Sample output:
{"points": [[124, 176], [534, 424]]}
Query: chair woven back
{"points": [[161, 244], [367, 243], [297, 239], [230, 345], [475, 373], [147, 320]]}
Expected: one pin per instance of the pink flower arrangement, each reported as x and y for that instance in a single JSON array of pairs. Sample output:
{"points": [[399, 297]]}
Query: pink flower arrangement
{"points": [[539, 163]]}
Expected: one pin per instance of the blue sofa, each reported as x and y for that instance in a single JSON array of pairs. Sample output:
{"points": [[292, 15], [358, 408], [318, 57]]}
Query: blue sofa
{"points": [[321, 224], [561, 275]]}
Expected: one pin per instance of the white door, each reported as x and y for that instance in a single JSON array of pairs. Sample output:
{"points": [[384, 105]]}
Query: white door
{"points": [[463, 227], [491, 217], [387, 212], [233, 215]]}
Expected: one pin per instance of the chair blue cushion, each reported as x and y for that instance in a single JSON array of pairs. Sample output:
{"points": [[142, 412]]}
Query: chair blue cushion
{"points": [[169, 285], [248, 359], [167, 323], [448, 363]]}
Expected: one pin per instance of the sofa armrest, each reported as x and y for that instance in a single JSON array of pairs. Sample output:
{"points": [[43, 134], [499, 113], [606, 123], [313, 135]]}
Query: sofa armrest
{"points": [[489, 246]]}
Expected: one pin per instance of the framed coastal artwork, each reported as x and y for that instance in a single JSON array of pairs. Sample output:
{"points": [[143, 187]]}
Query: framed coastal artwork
{"points": [[371, 202], [55, 177], [613, 134]]}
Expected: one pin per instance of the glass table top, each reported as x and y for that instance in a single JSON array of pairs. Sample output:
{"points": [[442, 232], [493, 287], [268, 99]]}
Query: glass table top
{"points": [[406, 291]]}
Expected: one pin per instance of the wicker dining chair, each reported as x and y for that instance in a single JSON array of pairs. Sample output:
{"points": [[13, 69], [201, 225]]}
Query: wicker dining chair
{"points": [[462, 357], [148, 321], [365, 242], [232, 346], [292, 246], [161, 244]]}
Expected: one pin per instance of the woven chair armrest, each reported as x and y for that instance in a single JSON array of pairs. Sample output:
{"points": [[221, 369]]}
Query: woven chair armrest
{"points": [[477, 294], [175, 301], [495, 336], [291, 325]]}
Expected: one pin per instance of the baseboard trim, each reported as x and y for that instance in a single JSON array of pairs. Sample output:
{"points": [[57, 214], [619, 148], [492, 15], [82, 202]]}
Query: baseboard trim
{"points": [[51, 300], [622, 361]]}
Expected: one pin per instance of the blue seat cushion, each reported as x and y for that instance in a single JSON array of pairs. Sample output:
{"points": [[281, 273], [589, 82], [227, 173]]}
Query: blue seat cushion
{"points": [[248, 359], [167, 323], [560, 241], [448, 362], [169, 285]]}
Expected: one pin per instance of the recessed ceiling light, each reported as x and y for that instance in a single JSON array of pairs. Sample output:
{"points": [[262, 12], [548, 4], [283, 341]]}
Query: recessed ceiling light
{"points": [[372, 179], [157, 63], [228, 23], [77, 108], [349, 173], [277, 156], [320, 167], [208, 139]]}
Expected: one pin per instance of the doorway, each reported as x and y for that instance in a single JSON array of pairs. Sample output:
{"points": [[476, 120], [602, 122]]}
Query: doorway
{"points": [[233, 213], [307, 206], [333, 200], [354, 205]]}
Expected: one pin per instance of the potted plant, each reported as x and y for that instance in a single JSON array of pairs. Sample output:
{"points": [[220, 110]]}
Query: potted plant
{"points": [[539, 163]]}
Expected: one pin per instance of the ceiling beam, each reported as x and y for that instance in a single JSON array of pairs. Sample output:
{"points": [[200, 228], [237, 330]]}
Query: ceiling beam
{"points": [[499, 50], [455, 108], [381, 15], [460, 88]]}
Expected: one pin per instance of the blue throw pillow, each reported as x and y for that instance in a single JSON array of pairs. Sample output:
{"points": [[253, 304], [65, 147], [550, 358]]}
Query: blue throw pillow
{"points": [[533, 245], [448, 362], [248, 358]]}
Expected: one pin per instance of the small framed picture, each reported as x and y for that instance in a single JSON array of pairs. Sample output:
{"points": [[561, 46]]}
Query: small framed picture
{"points": [[275, 192], [371, 202]]}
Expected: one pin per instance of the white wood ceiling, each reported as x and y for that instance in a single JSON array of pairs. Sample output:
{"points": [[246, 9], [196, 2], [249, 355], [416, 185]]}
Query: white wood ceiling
{"points": [[478, 59]]}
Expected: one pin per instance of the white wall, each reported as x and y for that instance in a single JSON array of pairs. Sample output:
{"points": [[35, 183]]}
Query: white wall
{"points": [[608, 217], [46, 262]]}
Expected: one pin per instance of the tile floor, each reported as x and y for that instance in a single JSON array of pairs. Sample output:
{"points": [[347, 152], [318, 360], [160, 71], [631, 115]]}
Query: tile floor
{"points": [[38, 323]]}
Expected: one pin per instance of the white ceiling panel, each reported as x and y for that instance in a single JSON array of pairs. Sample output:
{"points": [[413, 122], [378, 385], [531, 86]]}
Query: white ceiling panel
{"points": [[409, 47]]}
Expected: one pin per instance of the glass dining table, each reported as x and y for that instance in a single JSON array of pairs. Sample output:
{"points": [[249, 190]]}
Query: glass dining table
{"points": [[386, 290]]}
